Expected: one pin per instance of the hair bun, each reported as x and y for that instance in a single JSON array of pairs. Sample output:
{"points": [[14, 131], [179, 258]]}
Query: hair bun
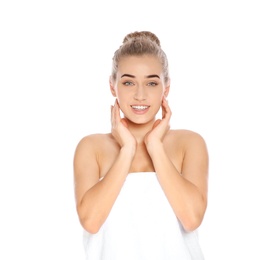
{"points": [[142, 34]]}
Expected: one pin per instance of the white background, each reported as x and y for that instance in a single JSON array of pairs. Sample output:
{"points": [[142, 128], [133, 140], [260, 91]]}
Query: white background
{"points": [[55, 60]]}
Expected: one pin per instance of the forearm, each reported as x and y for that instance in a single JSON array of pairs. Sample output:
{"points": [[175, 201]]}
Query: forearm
{"points": [[97, 202], [185, 198]]}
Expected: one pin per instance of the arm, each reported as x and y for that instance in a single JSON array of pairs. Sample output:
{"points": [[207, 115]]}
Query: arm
{"points": [[186, 192], [94, 198]]}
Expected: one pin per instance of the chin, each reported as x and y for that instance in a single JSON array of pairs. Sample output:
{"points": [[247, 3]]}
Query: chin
{"points": [[139, 121]]}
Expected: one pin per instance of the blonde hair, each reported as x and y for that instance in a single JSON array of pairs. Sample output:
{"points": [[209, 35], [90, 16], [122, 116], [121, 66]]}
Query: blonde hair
{"points": [[139, 44]]}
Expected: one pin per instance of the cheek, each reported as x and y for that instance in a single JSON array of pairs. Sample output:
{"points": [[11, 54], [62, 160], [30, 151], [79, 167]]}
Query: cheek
{"points": [[157, 99], [157, 103], [158, 106], [122, 100]]}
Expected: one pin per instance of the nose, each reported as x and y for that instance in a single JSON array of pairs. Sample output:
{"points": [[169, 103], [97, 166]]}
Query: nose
{"points": [[140, 94]]}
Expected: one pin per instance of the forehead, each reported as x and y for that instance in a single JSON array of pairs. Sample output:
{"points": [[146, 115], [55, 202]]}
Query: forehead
{"points": [[140, 65]]}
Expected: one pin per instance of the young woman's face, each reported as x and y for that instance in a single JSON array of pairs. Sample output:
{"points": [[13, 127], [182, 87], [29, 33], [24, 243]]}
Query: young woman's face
{"points": [[139, 87]]}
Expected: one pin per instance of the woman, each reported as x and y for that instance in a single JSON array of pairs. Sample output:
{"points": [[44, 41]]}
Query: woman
{"points": [[141, 190]]}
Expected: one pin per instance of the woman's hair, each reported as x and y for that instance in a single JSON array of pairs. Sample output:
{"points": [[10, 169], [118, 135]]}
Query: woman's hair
{"points": [[139, 44]]}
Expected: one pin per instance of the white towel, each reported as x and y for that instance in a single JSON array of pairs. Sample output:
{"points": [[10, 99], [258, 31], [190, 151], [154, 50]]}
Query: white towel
{"points": [[142, 226]]}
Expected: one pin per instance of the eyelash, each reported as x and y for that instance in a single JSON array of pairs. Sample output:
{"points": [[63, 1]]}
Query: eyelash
{"points": [[153, 84], [129, 83]]}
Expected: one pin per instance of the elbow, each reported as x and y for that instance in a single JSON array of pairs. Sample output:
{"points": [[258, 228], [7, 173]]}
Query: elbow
{"points": [[90, 223], [194, 216], [191, 224], [90, 226], [192, 221]]}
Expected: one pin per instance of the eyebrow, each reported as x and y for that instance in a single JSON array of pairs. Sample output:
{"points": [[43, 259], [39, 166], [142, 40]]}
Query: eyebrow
{"points": [[153, 76], [149, 76], [128, 75]]}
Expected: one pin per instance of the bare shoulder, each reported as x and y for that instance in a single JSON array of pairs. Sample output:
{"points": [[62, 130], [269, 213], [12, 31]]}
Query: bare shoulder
{"points": [[87, 149], [93, 142], [194, 153], [185, 147], [95, 152], [186, 138]]}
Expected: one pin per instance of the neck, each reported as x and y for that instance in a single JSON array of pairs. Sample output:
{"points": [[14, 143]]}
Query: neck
{"points": [[140, 130]]}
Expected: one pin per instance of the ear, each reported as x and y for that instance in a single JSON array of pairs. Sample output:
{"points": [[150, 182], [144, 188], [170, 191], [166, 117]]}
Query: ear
{"points": [[112, 88]]}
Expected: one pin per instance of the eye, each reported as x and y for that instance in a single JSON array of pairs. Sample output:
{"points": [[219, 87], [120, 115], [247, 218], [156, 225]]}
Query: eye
{"points": [[152, 84], [128, 83]]}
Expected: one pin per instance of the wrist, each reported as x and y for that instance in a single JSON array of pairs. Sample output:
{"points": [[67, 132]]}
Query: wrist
{"points": [[153, 147], [129, 149]]}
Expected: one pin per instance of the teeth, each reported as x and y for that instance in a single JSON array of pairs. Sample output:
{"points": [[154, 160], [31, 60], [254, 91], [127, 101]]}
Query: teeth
{"points": [[140, 107]]}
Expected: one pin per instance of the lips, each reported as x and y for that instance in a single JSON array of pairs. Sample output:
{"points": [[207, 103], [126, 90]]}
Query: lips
{"points": [[140, 109]]}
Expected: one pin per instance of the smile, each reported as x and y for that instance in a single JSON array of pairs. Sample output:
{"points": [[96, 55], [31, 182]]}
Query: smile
{"points": [[140, 107]]}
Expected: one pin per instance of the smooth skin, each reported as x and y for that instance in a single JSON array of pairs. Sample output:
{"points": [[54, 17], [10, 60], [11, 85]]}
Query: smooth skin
{"points": [[140, 143]]}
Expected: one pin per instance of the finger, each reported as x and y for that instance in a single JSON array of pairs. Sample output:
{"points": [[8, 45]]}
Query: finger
{"points": [[111, 107], [112, 116], [124, 122], [117, 110], [156, 123], [166, 111], [164, 107]]}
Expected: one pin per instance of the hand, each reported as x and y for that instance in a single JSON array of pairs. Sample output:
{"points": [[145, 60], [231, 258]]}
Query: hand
{"points": [[160, 126], [119, 128]]}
